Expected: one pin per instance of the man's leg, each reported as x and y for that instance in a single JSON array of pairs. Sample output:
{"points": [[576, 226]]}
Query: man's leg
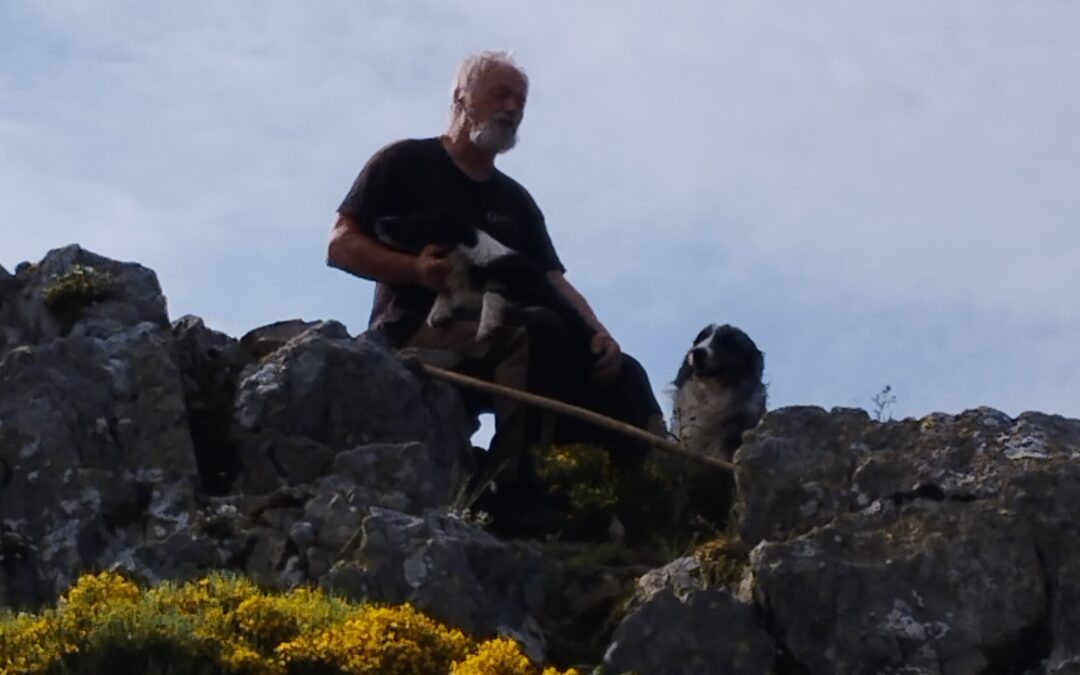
{"points": [[629, 398], [528, 352]]}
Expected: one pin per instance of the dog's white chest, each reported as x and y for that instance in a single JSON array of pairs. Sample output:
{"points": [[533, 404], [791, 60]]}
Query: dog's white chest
{"points": [[700, 408], [704, 409], [486, 250]]}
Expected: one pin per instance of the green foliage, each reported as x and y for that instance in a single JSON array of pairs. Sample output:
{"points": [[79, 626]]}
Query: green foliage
{"points": [[80, 286], [665, 504], [724, 561], [578, 475], [669, 504], [223, 624]]}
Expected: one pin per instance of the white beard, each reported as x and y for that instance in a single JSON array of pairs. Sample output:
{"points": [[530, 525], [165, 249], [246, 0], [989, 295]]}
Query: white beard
{"points": [[491, 136]]}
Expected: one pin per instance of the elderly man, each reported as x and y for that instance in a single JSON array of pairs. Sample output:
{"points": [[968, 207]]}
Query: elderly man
{"points": [[534, 349]]}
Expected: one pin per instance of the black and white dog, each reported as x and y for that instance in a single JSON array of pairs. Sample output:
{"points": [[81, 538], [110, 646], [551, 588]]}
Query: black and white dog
{"points": [[718, 391], [484, 272]]}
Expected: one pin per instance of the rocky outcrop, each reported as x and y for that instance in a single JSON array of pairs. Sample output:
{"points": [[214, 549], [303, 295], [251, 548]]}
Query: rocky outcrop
{"points": [[299, 454], [450, 569], [95, 456], [167, 451], [323, 392], [704, 632], [946, 544]]}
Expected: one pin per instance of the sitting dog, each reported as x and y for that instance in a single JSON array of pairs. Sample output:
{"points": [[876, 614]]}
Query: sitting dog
{"points": [[484, 272], [718, 392]]}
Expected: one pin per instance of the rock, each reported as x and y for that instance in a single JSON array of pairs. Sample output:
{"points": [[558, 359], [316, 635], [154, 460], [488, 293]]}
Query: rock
{"points": [[856, 479], [680, 577], [445, 567], [399, 476], [210, 363], [95, 452], [342, 393], [858, 596], [10, 335], [707, 633], [73, 291], [793, 471], [265, 340], [947, 544], [269, 461]]}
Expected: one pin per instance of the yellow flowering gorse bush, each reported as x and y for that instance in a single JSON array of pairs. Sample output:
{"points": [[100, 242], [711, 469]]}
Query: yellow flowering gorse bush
{"points": [[223, 624], [581, 473]]}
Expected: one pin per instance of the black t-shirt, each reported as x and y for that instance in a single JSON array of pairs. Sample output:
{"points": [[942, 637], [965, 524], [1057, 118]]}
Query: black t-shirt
{"points": [[419, 176]]}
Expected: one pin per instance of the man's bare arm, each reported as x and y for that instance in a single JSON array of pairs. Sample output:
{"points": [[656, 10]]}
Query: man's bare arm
{"points": [[576, 300], [607, 350], [356, 253]]}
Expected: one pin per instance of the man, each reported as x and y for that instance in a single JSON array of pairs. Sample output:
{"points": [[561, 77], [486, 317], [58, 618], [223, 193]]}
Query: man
{"points": [[534, 350]]}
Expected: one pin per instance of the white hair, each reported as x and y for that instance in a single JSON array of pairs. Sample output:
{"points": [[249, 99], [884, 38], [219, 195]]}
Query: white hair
{"points": [[475, 66]]}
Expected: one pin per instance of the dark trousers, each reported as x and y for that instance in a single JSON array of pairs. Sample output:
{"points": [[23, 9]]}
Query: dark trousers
{"points": [[535, 350]]}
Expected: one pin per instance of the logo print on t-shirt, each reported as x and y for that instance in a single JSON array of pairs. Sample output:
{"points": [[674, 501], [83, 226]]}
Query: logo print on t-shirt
{"points": [[498, 218]]}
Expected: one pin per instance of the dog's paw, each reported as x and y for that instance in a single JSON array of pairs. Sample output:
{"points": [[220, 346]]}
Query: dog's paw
{"points": [[440, 313], [438, 318], [491, 315], [485, 330]]}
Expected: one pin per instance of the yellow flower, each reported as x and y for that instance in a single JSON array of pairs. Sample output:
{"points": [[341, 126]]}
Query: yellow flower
{"points": [[501, 656], [381, 640], [226, 624]]}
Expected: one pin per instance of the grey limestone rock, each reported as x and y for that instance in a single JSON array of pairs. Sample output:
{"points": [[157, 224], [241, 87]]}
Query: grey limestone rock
{"points": [[961, 528], [448, 568], [95, 452], [327, 388], [705, 633]]}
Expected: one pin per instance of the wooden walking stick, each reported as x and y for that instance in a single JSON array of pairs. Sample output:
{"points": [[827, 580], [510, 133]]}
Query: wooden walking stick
{"points": [[665, 444]]}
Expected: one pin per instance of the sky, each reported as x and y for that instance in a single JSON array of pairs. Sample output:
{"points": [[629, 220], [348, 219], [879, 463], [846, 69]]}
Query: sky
{"points": [[878, 193]]}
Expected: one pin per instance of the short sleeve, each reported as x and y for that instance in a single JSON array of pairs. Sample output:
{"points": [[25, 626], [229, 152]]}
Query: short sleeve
{"points": [[549, 259], [369, 196], [543, 250]]}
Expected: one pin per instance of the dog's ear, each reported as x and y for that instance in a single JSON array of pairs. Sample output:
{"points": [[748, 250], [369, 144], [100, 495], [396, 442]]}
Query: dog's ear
{"points": [[704, 333], [754, 355], [686, 371]]}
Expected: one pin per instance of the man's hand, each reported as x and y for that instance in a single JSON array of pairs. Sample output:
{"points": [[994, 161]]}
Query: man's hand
{"points": [[432, 267], [608, 358]]}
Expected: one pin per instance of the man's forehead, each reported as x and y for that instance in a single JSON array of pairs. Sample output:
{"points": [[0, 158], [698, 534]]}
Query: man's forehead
{"points": [[501, 75]]}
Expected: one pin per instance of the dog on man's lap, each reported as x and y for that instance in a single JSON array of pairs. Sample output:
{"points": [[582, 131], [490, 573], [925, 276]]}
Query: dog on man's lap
{"points": [[718, 392]]}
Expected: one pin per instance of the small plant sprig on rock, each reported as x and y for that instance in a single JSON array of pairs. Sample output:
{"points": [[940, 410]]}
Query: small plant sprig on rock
{"points": [[883, 401]]}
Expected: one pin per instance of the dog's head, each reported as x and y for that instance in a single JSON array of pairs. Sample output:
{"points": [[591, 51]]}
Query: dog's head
{"points": [[414, 231], [725, 353]]}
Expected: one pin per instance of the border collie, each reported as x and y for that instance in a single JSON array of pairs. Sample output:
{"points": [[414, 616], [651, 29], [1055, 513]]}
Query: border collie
{"points": [[718, 392], [484, 272]]}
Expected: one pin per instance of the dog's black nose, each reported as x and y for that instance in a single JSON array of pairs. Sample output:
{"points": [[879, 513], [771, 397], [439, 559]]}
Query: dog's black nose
{"points": [[698, 356]]}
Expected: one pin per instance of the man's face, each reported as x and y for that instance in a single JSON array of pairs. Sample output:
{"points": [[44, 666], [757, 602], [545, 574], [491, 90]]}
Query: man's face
{"points": [[494, 107]]}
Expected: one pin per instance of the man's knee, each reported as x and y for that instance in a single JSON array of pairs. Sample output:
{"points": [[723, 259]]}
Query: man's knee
{"points": [[543, 326], [632, 396], [632, 373]]}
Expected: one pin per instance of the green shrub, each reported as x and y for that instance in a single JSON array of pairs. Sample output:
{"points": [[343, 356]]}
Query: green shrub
{"points": [[224, 624], [80, 286]]}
